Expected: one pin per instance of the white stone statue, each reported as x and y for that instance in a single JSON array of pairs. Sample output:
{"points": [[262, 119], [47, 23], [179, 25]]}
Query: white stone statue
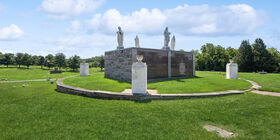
{"points": [[84, 69], [137, 45], [231, 70], [139, 77], [173, 43], [166, 38], [120, 38]]}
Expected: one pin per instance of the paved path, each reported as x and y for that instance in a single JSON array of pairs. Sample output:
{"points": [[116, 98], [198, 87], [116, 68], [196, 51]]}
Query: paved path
{"points": [[35, 80], [254, 84], [266, 93], [255, 88]]}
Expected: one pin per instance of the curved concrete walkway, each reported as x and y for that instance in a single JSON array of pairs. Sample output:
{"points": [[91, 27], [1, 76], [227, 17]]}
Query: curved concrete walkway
{"points": [[266, 93], [35, 80], [256, 87]]}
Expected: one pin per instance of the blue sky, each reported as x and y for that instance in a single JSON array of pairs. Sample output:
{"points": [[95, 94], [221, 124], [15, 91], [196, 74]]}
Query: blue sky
{"points": [[88, 27]]}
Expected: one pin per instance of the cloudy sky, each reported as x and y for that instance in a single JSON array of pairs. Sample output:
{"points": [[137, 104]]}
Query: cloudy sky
{"points": [[88, 27]]}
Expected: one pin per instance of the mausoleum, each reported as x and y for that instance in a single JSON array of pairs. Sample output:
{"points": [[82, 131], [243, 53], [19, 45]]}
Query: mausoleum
{"points": [[161, 63]]}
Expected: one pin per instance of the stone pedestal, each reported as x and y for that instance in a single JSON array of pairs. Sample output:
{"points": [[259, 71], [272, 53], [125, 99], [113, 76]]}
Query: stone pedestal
{"points": [[84, 68], [120, 47], [139, 78], [232, 71]]}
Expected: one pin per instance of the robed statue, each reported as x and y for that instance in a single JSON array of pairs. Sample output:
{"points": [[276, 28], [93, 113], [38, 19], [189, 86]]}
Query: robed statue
{"points": [[166, 38], [120, 38], [137, 45], [173, 43]]}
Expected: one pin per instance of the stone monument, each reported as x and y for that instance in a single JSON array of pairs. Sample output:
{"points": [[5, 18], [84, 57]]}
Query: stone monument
{"points": [[139, 77], [84, 68], [137, 45], [232, 70], [120, 39], [166, 39], [173, 43]]}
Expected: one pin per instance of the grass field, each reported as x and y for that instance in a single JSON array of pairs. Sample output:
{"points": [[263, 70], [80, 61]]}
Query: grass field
{"points": [[30, 74], [39, 112], [204, 82], [269, 82]]}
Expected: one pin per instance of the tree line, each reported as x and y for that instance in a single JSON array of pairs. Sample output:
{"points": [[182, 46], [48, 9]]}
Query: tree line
{"points": [[249, 57], [58, 60]]}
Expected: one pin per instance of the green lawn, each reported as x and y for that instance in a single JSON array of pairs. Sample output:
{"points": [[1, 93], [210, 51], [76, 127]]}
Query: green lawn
{"points": [[29, 74], [39, 112], [269, 82], [204, 82]]}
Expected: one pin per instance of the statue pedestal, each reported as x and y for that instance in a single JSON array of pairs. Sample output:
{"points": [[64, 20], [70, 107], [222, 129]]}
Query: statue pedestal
{"points": [[84, 67], [166, 48], [139, 78], [232, 71], [120, 47]]}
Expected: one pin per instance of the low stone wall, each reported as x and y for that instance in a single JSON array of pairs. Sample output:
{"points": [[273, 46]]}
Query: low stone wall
{"points": [[61, 87]]}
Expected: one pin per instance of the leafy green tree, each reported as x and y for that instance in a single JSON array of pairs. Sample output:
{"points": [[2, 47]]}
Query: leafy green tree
{"points": [[276, 59], [49, 61], [262, 58], [74, 62], [19, 59], [41, 61], [1, 58], [211, 58], [35, 60], [60, 60], [245, 57], [27, 60], [8, 59], [101, 63], [231, 53]]}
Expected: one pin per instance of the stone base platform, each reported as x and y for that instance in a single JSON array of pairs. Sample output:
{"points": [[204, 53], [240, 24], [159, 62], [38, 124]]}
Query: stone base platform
{"points": [[149, 91], [61, 87]]}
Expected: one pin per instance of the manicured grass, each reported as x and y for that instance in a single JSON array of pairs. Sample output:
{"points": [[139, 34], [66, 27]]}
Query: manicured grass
{"points": [[269, 82], [29, 74], [39, 112], [204, 82]]}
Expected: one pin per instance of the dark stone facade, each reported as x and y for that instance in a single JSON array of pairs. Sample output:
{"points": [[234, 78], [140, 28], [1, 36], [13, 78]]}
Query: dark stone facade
{"points": [[118, 63]]}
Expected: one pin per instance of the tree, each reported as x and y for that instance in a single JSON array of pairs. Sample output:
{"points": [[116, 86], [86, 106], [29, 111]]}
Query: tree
{"points": [[101, 63], [8, 59], [1, 58], [35, 60], [231, 53], [19, 59], [262, 58], [41, 60], [276, 59], [49, 61], [245, 56], [27, 60], [60, 60], [74, 62]]}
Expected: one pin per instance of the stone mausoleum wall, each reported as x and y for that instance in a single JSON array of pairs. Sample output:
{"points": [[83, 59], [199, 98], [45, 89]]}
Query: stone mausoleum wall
{"points": [[160, 63]]}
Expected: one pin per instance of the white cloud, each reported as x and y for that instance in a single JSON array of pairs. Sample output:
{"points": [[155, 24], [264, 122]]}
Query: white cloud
{"points": [[188, 20], [75, 27], [61, 9], [12, 32], [142, 21]]}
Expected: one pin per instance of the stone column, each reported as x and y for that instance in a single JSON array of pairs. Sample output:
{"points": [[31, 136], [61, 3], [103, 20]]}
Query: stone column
{"points": [[193, 64], [84, 68], [232, 70], [139, 77], [169, 64]]}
